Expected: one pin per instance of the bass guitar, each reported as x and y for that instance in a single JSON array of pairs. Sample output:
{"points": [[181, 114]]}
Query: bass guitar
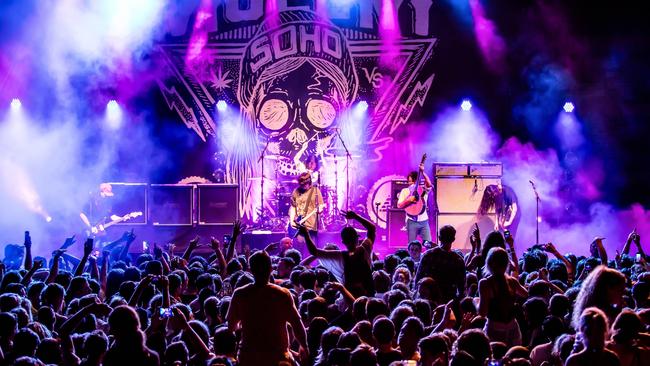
{"points": [[417, 206], [97, 229], [300, 220]]}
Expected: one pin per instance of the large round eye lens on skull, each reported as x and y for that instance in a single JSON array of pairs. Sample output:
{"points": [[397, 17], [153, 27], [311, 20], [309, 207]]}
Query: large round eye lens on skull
{"points": [[321, 113], [274, 114]]}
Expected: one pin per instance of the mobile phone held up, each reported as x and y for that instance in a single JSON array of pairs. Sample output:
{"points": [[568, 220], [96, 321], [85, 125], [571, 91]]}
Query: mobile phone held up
{"points": [[166, 313], [506, 234]]}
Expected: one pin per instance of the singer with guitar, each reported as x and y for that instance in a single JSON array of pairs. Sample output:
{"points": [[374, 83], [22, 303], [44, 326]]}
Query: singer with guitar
{"points": [[413, 200], [306, 204]]}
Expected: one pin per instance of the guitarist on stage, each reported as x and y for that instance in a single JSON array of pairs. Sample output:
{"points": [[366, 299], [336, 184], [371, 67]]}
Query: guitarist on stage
{"points": [[417, 223], [306, 204]]}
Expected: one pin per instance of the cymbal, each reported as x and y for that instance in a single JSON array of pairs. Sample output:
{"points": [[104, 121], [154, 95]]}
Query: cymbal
{"points": [[340, 152]]}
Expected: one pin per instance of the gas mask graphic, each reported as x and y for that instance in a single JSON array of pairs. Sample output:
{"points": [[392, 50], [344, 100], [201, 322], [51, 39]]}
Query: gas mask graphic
{"points": [[298, 78], [297, 111]]}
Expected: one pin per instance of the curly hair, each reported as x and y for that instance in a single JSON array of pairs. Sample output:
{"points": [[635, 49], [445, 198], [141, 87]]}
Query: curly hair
{"points": [[594, 292]]}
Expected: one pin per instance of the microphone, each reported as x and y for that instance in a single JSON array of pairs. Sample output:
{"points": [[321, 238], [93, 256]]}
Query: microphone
{"points": [[475, 189], [531, 182]]}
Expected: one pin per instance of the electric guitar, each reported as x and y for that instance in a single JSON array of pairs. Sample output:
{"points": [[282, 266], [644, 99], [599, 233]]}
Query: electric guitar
{"points": [[299, 220], [417, 207], [99, 228]]}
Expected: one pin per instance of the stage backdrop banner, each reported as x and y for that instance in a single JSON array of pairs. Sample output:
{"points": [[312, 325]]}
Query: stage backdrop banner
{"points": [[291, 79]]}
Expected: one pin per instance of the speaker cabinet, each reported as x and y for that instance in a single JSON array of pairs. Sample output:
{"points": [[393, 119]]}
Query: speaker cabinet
{"points": [[171, 204], [461, 195], [397, 234], [218, 204], [128, 198], [396, 187], [463, 223]]}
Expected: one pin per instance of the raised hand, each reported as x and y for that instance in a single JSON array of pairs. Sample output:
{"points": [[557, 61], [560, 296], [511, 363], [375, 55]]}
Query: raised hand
{"points": [[549, 247], [543, 274], [58, 253], [237, 228], [157, 251], [163, 281], [302, 230], [475, 237], [37, 265], [194, 243], [214, 243], [28, 240], [88, 246], [272, 247], [68, 242], [130, 237], [100, 309], [350, 215], [147, 280]]}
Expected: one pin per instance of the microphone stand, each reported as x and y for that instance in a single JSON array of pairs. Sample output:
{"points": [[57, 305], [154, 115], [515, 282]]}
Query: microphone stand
{"points": [[261, 159], [348, 157], [537, 199]]}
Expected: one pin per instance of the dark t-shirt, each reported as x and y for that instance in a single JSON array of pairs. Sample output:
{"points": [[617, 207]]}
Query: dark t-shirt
{"points": [[503, 206], [447, 268], [385, 359]]}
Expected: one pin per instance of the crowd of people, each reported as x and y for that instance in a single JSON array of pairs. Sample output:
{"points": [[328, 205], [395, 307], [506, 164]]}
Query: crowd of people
{"points": [[339, 305]]}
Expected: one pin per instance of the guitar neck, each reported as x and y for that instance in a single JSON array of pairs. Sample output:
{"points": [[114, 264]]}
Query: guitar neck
{"points": [[302, 221], [113, 223]]}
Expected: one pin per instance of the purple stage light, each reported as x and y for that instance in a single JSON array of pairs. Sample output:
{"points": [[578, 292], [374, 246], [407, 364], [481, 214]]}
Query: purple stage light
{"points": [[15, 104], [466, 105], [568, 107], [222, 106]]}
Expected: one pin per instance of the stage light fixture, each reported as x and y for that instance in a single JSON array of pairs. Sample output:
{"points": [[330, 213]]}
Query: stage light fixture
{"points": [[113, 114], [568, 107], [15, 103], [222, 106], [363, 105], [466, 105], [48, 219]]}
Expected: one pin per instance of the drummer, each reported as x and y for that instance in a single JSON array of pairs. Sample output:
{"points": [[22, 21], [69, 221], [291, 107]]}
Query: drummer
{"points": [[311, 166]]}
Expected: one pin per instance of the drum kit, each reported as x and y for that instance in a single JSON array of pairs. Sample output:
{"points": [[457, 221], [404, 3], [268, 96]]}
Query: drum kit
{"points": [[274, 216]]}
